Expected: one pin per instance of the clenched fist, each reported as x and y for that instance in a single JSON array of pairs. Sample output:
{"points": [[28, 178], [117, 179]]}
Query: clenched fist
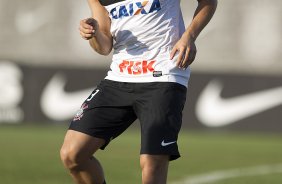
{"points": [[88, 28]]}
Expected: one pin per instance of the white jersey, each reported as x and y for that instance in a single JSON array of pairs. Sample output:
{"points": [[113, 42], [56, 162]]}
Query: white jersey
{"points": [[144, 33]]}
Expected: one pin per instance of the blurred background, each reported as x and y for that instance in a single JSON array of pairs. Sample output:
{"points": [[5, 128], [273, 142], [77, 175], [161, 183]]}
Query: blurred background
{"points": [[235, 92]]}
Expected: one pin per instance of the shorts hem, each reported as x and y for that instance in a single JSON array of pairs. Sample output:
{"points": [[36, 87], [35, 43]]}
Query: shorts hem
{"points": [[172, 156]]}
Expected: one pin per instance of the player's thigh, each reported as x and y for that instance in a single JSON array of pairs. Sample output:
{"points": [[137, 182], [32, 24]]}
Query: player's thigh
{"points": [[161, 118], [154, 161], [78, 145]]}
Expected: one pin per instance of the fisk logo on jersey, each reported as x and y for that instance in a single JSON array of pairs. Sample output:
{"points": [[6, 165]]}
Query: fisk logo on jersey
{"points": [[135, 8], [136, 67]]}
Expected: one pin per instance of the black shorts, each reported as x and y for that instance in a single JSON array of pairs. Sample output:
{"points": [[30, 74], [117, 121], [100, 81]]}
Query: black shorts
{"points": [[114, 106]]}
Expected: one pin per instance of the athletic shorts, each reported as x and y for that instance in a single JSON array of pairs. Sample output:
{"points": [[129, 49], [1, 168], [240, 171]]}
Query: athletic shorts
{"points": [[113, 106]]}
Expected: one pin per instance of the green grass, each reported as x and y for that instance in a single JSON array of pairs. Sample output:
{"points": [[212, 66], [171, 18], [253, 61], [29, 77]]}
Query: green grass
{"points": [[30, 155]]}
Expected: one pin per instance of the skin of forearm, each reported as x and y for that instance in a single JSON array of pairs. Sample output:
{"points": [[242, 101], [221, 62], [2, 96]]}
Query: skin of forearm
{"points": [[102, 42], [202, 16]]}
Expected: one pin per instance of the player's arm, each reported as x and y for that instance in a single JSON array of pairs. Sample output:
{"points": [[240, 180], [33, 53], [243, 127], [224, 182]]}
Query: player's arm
{"points": [[186, 45], [97, 30]]}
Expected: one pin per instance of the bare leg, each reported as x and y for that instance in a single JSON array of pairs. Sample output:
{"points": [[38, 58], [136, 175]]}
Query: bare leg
{"points": [[154, 168], [77, 155]]}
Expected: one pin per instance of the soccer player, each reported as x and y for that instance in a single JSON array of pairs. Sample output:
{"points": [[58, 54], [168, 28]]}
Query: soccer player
{"points": [[148, 80]]}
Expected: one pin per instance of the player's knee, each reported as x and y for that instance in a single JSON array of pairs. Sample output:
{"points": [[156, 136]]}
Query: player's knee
{"points": [[154, 164], [70, 158], [152, 168]]}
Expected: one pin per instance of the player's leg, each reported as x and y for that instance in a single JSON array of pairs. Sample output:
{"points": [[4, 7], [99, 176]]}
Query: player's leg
{"points": [[160, 114], [154, 168], [76, 154], [104, 115]]}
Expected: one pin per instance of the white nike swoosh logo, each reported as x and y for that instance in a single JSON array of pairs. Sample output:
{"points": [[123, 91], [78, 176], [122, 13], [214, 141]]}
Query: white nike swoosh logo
{"points": [[214, 111], [167, 143], [59, 105]]}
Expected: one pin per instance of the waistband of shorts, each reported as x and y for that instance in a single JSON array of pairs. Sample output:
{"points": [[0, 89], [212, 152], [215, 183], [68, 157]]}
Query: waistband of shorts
{"points": [[153, 85]]}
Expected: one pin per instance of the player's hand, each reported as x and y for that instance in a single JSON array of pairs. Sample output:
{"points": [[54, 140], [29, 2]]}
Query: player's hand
{"points": [[88, 28], [186, 50]]}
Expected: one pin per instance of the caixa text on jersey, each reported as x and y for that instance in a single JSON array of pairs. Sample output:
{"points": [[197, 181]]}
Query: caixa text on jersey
{"points": [[135, 8]]}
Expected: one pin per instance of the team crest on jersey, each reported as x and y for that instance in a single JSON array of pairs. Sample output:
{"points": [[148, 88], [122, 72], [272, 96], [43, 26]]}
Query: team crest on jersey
{"points": [[80, 112], [136, 8]]}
